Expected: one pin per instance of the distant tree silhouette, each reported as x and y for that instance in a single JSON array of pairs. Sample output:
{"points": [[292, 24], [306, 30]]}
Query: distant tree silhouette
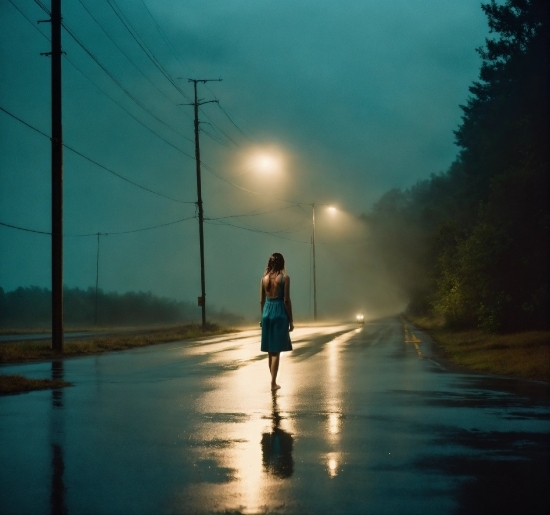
{"points": [[31, 307]]}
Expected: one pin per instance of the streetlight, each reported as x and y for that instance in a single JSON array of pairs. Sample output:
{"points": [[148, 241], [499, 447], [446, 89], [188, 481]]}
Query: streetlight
{"points": [[332, 210], [265, 161]]}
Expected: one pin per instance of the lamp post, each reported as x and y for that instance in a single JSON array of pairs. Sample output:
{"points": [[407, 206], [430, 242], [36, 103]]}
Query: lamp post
{"points": [[313, 252], [332, 209]]}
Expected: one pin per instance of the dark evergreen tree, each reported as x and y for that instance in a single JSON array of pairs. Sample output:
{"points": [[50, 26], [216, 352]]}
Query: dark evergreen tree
{"points": [[484, 225]]}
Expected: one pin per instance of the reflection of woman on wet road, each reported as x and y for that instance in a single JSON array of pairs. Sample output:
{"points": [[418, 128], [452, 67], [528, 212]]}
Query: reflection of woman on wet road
{"points": [[277, 447], [276, 311]]}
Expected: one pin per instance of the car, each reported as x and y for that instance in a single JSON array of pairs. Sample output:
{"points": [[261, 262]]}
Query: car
{"points": [[360, 318]]}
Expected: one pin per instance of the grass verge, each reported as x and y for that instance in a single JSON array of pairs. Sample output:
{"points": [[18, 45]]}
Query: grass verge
{"points": [[20, 352], [525, 355], [12, 384]]}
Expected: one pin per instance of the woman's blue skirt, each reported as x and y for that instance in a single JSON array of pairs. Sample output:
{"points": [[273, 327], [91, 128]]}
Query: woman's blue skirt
{"points": [[275, 325]]}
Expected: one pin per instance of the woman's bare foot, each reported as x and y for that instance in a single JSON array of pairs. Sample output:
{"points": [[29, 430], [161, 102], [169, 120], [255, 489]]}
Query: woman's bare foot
{"points": [[275, 387]]}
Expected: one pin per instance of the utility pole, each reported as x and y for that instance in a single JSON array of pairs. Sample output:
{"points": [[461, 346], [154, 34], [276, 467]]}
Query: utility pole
{"points": [[57, 181], [314, 275], [196, 104], [96, 278]]}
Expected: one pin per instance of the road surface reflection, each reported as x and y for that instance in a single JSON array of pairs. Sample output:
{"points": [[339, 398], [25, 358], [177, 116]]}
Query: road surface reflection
{"points": [[58, 503], [333, 398], [251, 433], [277, 447]]}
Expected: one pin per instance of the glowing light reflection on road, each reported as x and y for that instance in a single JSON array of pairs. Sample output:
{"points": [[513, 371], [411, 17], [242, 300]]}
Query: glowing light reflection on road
{"points": [[255, 424], [250, 432], [334, 401]]}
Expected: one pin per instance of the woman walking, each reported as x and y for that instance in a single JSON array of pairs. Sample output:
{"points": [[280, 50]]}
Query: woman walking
{"points": [[276, 311]]}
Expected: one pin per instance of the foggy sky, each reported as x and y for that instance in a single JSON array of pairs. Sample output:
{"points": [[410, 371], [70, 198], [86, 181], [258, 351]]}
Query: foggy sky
{"points": [[356, 97]]}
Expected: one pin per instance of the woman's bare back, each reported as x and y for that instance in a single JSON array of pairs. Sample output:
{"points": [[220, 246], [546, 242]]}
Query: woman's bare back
{"points": [[272, 285]]}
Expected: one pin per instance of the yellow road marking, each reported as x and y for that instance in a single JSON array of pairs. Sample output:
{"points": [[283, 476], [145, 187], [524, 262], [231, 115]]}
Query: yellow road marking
{"points": [[410, 337]]}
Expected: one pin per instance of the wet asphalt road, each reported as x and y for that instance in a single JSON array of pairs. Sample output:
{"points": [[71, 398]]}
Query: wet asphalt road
{"points": [[367, 421]]}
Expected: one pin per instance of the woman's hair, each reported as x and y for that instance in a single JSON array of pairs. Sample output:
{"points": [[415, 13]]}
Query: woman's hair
{"points": [[275, 264]]}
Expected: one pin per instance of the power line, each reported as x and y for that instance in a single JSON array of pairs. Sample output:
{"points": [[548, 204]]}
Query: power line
{"points": [[254, 192], [128, 57], [43, 7], [126, 179], [29, 20], [207, 220], [215, 138], [224, 111], [141, 229], [26, 229], [25, 123], [214, 126], [296, 202], [120, 15], [139, 40], [217, 128], [132, 31], [120, 176], [132, 97], [227, 115], [276, 234], [124, 20], [104, 92], [167, 40], [130, 114], [288, 230], [252, 213], [185, 65], [221, 222], [236, 126]]}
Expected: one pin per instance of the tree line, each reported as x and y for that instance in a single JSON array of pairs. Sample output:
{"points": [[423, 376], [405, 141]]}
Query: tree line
{"points": [[32, 307], [471, 245]]}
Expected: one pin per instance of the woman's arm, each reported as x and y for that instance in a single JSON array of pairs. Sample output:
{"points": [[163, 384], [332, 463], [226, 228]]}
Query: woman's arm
{"points": [[262, 298], [288, 303]]}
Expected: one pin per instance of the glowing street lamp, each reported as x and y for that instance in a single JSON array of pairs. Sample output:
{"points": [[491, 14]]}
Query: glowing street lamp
{"points": [[263, 160], [267, 163]]}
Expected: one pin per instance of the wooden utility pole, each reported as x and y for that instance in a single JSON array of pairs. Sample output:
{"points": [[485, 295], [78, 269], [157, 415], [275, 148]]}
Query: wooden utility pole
{"points": [[96, 277], [57, 181], [196, 104]]}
